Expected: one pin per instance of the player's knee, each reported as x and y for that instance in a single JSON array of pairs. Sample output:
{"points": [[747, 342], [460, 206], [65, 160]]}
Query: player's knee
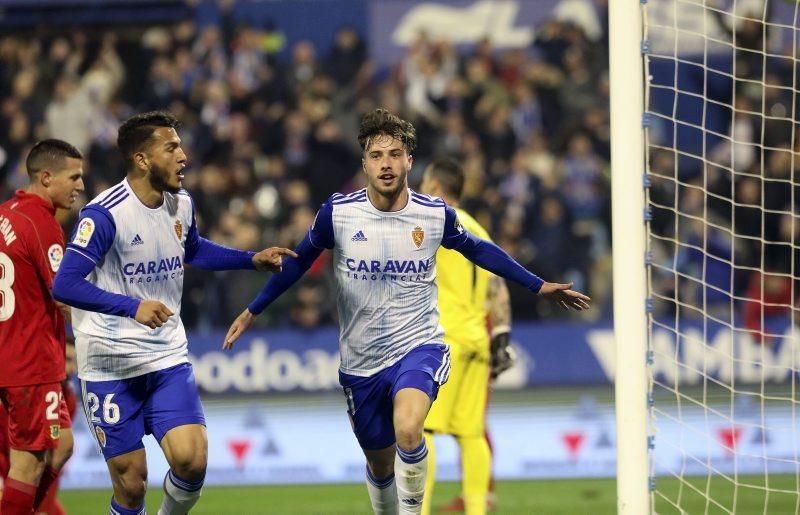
{"points": [[408, 434], [191, 467]]}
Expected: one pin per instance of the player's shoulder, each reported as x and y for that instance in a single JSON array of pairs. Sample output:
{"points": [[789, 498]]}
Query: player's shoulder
{"points": [[111, 200], [471, 224], [29, 212], [426, 201], [341, 199]]}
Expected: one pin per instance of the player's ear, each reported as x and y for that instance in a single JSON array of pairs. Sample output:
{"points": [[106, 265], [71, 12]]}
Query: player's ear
{"points": [[45, 177], [140, 160]]}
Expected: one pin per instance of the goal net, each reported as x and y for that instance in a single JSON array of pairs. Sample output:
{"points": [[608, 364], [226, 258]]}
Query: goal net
{"points": [[723, 251]]}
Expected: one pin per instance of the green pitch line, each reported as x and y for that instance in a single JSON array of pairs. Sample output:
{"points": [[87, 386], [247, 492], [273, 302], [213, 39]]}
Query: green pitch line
{"points": [[566, 497]]}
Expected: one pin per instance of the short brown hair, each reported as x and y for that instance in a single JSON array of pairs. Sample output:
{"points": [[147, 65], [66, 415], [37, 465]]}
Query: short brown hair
{"points": [[450, 175], [382, 122], [49, 154]]}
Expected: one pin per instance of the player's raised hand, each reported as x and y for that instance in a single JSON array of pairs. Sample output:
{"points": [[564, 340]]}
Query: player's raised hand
{"points": [[271, 259], [242, 323], [152, 313], [564, 296]]}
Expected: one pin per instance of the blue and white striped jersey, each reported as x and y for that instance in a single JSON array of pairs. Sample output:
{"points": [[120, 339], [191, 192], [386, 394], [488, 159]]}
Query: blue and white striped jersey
{"points": [[138, 252], [385, 265]]}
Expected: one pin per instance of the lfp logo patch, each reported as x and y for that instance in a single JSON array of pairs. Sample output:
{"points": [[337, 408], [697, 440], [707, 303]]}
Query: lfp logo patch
{"points": [[55, 254], [84, 233]]}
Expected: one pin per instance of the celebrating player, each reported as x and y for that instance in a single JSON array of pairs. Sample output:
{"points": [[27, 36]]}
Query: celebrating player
{"points": [[393, 357], [32, 331], [465, 292], [132, 242]]}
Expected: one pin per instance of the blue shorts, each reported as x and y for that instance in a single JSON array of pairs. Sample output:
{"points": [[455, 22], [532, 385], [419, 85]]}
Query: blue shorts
{"points": [[370, 399], [120, 412]]}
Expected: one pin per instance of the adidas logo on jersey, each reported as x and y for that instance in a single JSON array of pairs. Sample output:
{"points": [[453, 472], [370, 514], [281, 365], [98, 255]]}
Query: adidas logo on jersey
{"points": [[137, 240], [359, 236]]}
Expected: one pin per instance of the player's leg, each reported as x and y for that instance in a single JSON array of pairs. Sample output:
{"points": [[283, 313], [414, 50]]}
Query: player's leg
{"points": [[114, 412], [440, 417], [58, 459], [381, 485], [129, 479], [50, 504], [468, 424], [371, 419], [422, 371], [174, 415], [430, 480], [33, 432]]}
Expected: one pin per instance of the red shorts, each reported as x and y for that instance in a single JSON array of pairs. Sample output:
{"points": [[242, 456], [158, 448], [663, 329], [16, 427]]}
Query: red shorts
{"points": [[36, 415]]}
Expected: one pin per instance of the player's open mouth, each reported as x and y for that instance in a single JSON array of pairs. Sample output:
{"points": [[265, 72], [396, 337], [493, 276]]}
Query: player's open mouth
{"points": [[180, 176], [387, 177]]}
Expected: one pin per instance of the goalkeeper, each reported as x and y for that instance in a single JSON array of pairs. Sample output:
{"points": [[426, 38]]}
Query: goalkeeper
{"points": [[464, 292]]}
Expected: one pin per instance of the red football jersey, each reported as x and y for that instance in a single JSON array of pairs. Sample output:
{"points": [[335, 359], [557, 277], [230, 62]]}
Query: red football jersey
{"points": [[32, 332]]}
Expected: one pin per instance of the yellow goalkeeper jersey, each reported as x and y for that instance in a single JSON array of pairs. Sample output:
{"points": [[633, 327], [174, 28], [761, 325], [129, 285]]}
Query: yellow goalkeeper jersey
{"points": [[463, 287]]}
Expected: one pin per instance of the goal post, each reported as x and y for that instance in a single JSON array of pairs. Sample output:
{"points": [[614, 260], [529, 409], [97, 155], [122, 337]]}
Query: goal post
{"points": [[629, 241], [705, 127]]}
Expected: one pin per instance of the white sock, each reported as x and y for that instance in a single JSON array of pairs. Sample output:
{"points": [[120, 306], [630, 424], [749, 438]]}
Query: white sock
{"points": [[382, 494], [180, 495], [410, 470]]}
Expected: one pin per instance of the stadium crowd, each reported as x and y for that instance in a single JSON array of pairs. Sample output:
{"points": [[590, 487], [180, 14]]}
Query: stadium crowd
{"points": [[270, 138]]}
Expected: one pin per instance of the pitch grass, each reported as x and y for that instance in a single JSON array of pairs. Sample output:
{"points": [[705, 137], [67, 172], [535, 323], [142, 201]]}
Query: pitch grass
{"points": [[566, 497]]}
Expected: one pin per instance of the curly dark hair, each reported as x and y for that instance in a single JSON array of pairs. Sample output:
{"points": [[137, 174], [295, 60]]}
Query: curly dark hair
{"points": [[136, 130], [382, 122]]}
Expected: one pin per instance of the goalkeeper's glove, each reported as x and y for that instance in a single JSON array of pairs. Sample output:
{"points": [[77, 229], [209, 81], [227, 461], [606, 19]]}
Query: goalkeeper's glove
{"points": [[503, 355]]}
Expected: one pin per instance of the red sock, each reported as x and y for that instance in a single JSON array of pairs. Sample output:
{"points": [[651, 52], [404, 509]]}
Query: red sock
{"points": [[50, 504], [49, 476], [17, 498]]}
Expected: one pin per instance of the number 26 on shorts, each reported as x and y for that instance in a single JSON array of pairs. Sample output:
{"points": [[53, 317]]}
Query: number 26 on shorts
{"points": [[110, 409]]}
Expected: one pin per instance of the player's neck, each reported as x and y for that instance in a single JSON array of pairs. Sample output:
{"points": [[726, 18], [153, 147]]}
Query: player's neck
{"points": [[145, 192], [40, 191], [394, 202]]}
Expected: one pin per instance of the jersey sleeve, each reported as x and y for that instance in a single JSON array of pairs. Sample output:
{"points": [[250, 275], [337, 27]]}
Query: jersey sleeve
{"points": [[454, 234], [321, 233], [94, 233], [46, 249]]}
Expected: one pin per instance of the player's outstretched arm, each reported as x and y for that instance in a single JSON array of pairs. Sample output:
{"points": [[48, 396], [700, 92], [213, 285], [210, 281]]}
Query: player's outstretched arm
{"points": [[489, 256], [564, 296], [293, 269], [271, 259], [242, 323], [207, 255]]}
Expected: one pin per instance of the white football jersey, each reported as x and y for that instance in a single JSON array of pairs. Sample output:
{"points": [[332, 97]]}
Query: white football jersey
{"points": [[138, 252], [385, 265]]}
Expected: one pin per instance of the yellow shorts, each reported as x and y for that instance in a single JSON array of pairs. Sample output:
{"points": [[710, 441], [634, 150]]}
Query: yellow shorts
{"points": [[460, 407]]}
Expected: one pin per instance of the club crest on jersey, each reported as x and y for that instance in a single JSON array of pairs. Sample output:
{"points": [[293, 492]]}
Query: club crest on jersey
{"points": [[418, 235], [84, 232], [101, 436], [55, 432], [55, 254], [178, 229]]}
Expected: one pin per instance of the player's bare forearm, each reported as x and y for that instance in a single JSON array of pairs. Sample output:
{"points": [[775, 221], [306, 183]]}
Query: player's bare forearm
{"points": [[499, 304], [242, 323], [561, 294]]}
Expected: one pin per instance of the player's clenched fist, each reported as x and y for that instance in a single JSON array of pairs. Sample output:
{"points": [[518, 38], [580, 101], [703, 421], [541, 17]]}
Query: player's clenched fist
{"points": [[271, 259], [152, 313]]}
